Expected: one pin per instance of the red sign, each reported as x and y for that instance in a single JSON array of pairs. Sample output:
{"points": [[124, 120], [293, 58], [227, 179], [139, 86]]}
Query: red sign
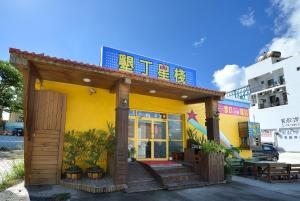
{"points": [[233, 110]]}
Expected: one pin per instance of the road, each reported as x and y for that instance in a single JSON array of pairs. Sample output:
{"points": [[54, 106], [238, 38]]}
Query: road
{"points": [[11, 142]]}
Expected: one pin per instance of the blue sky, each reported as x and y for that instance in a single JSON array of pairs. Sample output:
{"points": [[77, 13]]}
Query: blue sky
{"points": [[205, 35]]}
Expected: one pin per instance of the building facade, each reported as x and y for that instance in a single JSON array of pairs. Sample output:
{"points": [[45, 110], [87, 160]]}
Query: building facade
{"points": [[274, 95], [150, 114]]}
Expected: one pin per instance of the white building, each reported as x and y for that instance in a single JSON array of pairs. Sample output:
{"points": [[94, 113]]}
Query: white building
{"points": [[274, 84]]}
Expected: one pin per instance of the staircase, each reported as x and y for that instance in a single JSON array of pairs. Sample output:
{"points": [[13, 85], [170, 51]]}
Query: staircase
{"points": [[175, 176], [140, 180]]}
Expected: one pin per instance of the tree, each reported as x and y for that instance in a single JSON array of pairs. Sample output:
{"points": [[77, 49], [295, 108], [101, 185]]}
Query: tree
{"points": [[11, 89]]}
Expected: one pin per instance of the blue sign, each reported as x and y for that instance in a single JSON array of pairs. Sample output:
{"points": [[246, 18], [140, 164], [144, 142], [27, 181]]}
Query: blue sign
{"points": [[128, 62]]}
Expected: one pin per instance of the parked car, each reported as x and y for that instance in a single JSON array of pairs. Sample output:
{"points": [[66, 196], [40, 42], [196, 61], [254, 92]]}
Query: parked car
{"points": [[266, 152], [18, 131]]}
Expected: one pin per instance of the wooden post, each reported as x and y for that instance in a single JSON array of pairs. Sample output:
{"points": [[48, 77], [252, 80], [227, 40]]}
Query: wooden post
{"points": [[212, 119], [120, 173], [29, 93]]}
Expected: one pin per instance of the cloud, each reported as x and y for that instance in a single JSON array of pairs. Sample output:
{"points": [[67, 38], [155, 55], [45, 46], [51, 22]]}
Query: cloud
{"points": [[200, 42], [286, 28], [230, 77], [247, 19]]}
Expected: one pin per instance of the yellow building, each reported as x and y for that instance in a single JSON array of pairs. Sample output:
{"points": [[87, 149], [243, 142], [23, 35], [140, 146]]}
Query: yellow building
{"points": [[149, 114]]}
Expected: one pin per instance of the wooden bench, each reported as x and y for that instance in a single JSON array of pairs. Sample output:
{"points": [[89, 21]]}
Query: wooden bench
{"points": [[276, 172], [295, 171], [237, 165]]}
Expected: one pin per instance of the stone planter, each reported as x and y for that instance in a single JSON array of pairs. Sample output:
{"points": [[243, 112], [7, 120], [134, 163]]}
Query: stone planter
{"points": [[95, 173], [73, 173]]}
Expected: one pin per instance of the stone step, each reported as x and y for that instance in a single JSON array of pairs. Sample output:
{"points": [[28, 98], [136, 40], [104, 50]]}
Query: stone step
{"points": [[134, 187], [180, 169], [185, 184], [178, 177], [166, 165]]}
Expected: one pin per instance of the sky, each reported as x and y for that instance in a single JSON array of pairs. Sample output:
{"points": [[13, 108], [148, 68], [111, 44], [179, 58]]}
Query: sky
{"points": [[218, 38]]}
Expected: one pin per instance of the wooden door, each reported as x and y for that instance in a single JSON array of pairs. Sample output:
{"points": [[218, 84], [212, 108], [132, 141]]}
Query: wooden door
{"points": [[48, 137]]}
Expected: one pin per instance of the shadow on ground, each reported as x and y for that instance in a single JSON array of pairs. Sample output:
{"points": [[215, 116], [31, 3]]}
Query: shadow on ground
{"points": [[234, 192]]}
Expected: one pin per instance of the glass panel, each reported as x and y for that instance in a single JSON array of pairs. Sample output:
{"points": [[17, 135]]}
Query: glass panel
{"points": [[175, 130], [144, 149], [174, 116], [144, 129], [175, 146], [131, 112], [151, 115], [131, 128], [159, 130], [159, 149], [130, 144]]}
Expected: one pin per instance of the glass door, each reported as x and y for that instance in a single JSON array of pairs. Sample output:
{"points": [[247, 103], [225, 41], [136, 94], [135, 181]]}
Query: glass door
{"points": [[159, 140], [152, 139], [144, 139]]}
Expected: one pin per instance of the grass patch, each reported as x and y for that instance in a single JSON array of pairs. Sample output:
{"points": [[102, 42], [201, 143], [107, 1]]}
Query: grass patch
{"points": [[14, 176]]}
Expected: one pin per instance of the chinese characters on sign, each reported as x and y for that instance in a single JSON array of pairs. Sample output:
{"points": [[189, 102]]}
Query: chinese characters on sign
{"points": [[132, 63], [290, 122], [233, 110], [290, 133]]}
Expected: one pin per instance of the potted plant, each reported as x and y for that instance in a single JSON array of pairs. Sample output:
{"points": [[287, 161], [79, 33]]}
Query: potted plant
{"points": [[128, 156], [192, 135], [211, 161], [95, 151], [73, 149], [228, 169], [132, 154]]}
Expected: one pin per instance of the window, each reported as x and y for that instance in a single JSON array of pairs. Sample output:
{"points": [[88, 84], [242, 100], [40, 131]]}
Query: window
{"points": [[253, 99], [175, 130], [281, 79], [267, 148], [298, 68], [273, 100], [271, 83], [262, 82]]}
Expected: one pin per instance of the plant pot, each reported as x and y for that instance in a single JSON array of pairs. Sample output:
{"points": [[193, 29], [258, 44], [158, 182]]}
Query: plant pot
{"points": [[129, 159], [228, 178], [95, 173], [133, 159], [211, 166], [73, 173]]}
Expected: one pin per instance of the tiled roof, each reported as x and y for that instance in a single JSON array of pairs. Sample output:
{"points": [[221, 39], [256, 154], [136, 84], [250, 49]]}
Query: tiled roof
{"points": [[46, 58]]}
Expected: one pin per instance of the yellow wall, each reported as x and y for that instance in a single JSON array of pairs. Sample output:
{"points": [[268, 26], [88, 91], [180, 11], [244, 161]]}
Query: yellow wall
{"points": [[85, 111]]}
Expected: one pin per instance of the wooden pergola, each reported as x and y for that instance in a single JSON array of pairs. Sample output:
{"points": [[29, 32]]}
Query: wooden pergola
{"points": [[39, 66]]}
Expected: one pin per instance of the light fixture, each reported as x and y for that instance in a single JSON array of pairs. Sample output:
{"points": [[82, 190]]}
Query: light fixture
{"points": [[152, 91], [184, 96], [87, 80], [92, 91]]}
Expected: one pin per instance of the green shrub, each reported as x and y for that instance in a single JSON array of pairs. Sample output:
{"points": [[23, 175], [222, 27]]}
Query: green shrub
{"points": [[95, 148], [74, 147], [14, 176], [211, 146]]}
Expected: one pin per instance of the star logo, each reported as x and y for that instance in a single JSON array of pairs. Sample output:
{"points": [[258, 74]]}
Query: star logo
{"points": [[192, 115]]}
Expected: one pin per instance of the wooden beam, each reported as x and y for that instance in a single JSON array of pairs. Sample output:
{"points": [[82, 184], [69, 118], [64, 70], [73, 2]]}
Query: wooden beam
{"points": [[35, 71], [203, 100]]}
